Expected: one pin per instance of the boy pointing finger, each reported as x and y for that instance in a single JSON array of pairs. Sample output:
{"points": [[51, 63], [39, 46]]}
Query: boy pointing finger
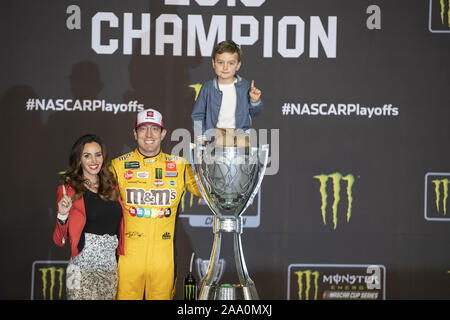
{"points": [[255, 93]]}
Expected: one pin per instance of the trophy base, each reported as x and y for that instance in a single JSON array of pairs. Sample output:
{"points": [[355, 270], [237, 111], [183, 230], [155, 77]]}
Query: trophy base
{"points": [[229, 292]]}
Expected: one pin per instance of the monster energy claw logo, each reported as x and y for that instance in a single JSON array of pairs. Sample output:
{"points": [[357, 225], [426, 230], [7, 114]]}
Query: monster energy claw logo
{"points": [[190, 292], [443, 11], [307, 287], [45, 284], [437, 192], [336, 179]]}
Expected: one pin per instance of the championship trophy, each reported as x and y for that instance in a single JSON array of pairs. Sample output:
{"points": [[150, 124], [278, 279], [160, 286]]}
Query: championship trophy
{"points": [[229, 176]]}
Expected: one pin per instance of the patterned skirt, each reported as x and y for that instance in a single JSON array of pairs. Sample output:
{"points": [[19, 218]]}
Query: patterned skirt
{"points": [[92, 275]]}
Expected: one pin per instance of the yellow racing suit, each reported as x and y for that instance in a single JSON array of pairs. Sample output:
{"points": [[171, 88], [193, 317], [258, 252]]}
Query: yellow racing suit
{"points": [[151, 189]]}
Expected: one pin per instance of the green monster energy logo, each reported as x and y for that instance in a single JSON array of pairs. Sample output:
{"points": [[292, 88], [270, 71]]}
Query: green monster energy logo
{"points": [[442, 2], [158, 173], [336, 179], [307, 288], [52, 271], [189, 292], [191, 201], [437, 192]]}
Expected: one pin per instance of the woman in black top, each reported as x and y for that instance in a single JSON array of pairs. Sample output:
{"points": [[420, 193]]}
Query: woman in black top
{"points": [[90, 211]]}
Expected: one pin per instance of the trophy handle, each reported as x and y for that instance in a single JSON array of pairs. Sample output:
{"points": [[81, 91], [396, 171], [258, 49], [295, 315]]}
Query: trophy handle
{"points": [[250, 292], [206, 292], [199, 180], [265, 149]]}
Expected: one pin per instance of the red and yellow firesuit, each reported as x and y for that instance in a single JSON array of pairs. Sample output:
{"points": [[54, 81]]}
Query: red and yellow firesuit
{"points": [[151, 189]]}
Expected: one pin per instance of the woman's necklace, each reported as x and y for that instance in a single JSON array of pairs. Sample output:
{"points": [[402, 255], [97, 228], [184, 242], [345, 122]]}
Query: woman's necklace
{"points": [[90, 183]]}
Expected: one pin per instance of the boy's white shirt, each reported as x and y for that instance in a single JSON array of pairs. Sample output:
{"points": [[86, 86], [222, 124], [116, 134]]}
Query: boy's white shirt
{"points": [[227, 113]]}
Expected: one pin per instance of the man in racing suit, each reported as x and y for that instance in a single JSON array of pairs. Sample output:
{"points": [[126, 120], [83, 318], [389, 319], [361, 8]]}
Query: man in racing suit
{"points": [[151, 185]]}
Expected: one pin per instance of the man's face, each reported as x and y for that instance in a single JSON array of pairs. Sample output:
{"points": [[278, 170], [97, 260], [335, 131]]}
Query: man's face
{"points": [[226, 65], [149, 137]]}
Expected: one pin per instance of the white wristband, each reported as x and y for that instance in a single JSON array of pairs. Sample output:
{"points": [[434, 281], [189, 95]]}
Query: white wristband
{"points": [[62, 217]]}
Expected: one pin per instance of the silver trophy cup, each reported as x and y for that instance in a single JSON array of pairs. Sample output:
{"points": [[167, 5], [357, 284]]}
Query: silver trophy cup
{"points": [[229, 178]]}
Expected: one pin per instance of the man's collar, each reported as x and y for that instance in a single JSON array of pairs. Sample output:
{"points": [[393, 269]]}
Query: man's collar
{"points": [[147, 157]]}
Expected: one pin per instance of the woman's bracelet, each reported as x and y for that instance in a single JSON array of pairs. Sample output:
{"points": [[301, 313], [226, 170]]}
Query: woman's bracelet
{"points": [[62, 218]]}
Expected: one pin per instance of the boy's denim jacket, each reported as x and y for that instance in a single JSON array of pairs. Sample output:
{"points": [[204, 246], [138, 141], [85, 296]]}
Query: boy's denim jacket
{"points": [[207, 106]]}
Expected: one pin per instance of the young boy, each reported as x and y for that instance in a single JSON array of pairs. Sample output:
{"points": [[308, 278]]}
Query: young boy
{"points": [[227, 101]]}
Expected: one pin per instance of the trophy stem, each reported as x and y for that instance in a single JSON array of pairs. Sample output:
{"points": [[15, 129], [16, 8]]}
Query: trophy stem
{"points": [[210, 288], [247, 284], [239, 258], [208, 282]]}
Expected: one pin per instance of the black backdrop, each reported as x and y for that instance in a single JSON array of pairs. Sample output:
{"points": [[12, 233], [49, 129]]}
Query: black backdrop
{"points": [[353, 90]]}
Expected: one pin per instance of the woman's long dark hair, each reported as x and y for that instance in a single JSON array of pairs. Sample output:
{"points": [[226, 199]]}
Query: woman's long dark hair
{"points": [[74, 175]]}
